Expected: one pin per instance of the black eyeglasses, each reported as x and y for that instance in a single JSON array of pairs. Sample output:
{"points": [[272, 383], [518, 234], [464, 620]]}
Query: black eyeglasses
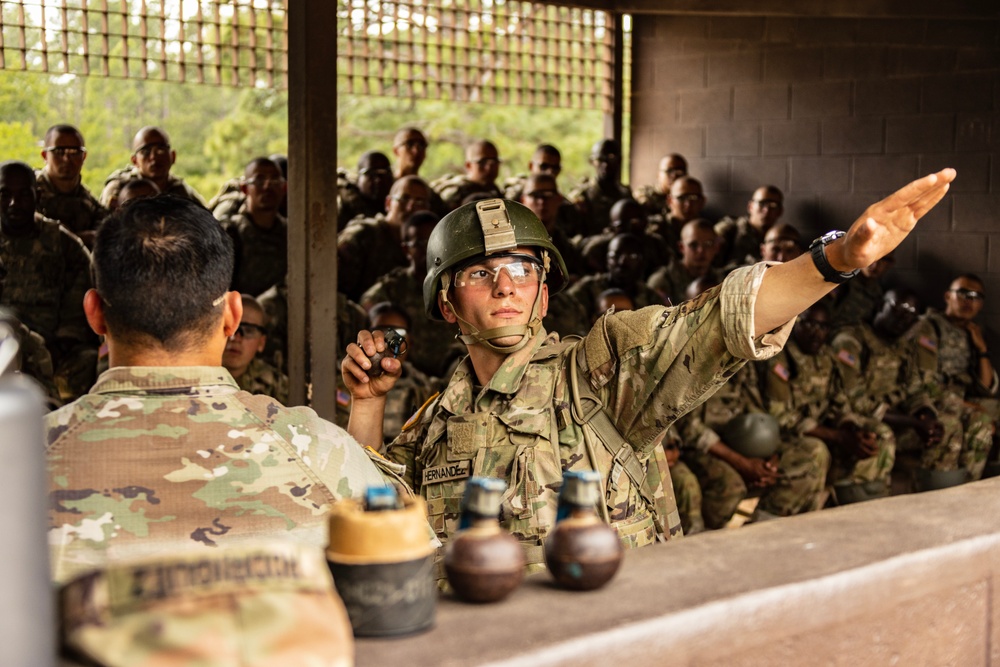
{"points": [[247, 330], [487, 161], [264, 182], [66, 151]]}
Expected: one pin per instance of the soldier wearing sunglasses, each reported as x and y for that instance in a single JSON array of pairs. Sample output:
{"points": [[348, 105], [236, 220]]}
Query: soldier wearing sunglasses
{"points": [[152, 158], [61, 194]]}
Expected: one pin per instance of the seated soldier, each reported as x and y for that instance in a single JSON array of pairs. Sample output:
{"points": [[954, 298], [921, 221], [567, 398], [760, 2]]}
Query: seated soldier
{"points": [[741, 238], [366, 197], [594, 198], [48, 272], [33, 358], [654, 197], [139, 188], [259, 232], [167, 453], [613, 298], [62, 195], [370, 247], [547, 161], [697, 247], [859, 300], [626, 268], [540, 194], [627, 217], [152, 158], [884, 381], [482, 166], [251, 373], [782, 243]]}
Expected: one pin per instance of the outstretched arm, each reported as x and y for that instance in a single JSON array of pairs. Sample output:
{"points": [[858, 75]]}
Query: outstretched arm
{"points": [[788, 289]]}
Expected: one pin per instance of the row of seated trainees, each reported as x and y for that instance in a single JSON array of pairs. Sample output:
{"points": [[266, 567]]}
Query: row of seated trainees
{"points": [[636, 304]]}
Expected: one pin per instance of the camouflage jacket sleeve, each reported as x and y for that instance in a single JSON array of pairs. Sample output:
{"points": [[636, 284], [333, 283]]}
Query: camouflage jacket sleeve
{"points": [[848, 354], [72, 320], [656, 364]]}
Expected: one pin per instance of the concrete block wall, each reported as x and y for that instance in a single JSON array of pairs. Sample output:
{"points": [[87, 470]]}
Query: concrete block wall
{"points": [[838, 113]]}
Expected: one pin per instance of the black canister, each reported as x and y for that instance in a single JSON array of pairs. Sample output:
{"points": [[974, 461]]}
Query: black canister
{"points": [[382, 563]]}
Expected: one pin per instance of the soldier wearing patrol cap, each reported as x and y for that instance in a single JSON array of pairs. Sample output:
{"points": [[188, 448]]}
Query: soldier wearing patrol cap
{"points": [[525, 406]]}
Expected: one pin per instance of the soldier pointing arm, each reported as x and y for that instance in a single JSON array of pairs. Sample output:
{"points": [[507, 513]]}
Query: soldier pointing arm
{"points": [[526, 406]]}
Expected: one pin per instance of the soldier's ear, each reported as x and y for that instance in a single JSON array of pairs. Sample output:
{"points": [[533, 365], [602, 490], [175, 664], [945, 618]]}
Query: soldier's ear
{"points": [[93, 308], [232, 312], [446, 311]]}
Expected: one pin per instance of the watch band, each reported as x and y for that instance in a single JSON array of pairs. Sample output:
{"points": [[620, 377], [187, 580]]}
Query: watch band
{"points": [[817, 250]]}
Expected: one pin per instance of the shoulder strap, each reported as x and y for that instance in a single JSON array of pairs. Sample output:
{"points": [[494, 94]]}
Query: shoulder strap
{"points": [[588, 411]]}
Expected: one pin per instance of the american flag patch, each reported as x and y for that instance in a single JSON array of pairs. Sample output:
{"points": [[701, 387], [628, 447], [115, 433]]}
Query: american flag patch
{"points": [[847, 358], [343, 397], [927, 343], [781, 371]]}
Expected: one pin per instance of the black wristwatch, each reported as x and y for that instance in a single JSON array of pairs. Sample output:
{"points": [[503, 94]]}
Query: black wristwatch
{"points": [[817, 249]]}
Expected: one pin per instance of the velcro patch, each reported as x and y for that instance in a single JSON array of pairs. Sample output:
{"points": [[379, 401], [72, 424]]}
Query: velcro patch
{"points": [[781, 371], [446, 473], [847, 358], [343, 398], [927, 343]]}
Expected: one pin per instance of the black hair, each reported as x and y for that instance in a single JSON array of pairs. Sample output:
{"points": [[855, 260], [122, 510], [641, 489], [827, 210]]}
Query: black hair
{"points": [[161, 265]]}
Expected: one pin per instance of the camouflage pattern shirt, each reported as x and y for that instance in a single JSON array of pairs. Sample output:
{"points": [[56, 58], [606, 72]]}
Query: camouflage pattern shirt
{"points": [[48, 272], [699, 429], [78, 210], [945, 353], [261, 254], [228, 201], [653, 201], [454, 188], [261, 377], [351, 204], [588, 288], [647, 367], [433, 348], [856, 301], [594, 205], [367, 249], [175, 186], [164, 459], [672, 280], [741, 242], [802, 391]]}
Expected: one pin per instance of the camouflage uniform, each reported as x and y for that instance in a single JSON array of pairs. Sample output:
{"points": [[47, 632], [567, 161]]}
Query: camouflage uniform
{"points": [[594, 251], [263, 604], [944, 356], [175, 186], [595, 205], [261, 254], [740, 242], [880, 375], [77, 210], [722, 487], [351, 203], [856, 301], [520, 426], [567, 316], [433, 347], [367, 249], [802, 392], [588, 288], [228, 201], [48, 272], [261, 377], [351, 318], [669, 229], [454, 188], [165, 459], [672, 280], [653, 201], [513, 187], [687, 491]]}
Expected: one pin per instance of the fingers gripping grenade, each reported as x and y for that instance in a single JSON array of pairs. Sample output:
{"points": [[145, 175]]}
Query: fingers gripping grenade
{"points": [[490, 228]]}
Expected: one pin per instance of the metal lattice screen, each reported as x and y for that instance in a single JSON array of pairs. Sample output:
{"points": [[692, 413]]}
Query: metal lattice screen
{"points": [[493, 51], [235, 43]]}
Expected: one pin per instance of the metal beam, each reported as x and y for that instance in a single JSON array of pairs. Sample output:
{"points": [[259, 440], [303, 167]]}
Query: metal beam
{"points": [[312, 205], [967, 9]]}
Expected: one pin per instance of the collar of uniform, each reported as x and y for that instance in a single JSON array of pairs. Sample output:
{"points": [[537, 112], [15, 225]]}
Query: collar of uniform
{"points": [[191, 380], [44, 181], [508, 377]]}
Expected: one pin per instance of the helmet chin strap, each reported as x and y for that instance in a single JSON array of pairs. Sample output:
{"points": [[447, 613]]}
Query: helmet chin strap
{"points": [[525, 331]]}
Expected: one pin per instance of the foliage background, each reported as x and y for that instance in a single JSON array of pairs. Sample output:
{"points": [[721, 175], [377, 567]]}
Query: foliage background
{"points": [[217, 130]]}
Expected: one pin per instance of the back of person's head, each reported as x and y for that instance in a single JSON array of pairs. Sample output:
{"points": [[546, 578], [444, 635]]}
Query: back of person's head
{"points": [[161, 267]]}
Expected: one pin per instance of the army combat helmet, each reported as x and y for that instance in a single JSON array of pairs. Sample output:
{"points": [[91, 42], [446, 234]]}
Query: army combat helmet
{"points": [[489, 228]]}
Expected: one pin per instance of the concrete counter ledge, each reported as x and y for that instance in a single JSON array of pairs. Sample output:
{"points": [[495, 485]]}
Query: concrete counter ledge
{"points": [[908, 580]]}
